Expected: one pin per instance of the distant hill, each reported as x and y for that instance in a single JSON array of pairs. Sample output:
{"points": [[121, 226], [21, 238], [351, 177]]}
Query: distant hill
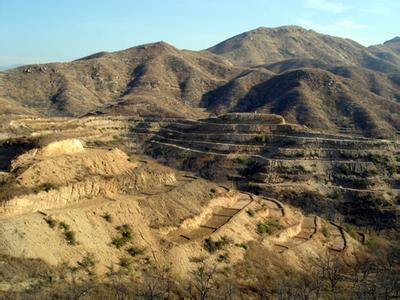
{"points": [[270, 45], [388, 51], [154, 78], [324, 99], [318, 80]]}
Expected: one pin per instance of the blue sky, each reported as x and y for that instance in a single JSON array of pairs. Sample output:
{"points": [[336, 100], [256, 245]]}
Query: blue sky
{"points": [[36, 31]]}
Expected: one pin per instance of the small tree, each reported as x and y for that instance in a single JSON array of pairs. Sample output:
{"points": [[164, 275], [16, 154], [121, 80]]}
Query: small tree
{"points": [[203, 279], [331, 267]]}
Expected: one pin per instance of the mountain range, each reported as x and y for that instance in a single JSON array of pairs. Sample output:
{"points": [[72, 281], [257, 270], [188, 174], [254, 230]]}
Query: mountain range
{"points": [[321, 81]]}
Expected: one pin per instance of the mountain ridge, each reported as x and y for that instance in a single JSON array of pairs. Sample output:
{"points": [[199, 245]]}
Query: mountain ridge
{"points": [[159, 79]]}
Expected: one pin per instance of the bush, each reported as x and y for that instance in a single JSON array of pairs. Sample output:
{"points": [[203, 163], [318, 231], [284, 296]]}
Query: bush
{"points": [[125, 262], [50, 221], [250, 212], [240, 160], [242, 245], [107, 216], [134, 251], [223, 258], [125, 235], [259, 139], [125, 230], [252, 168], [69, 236], [47, 186], [212, 246], [63, 226], [325, 231], [268, 228], [87, 262]]}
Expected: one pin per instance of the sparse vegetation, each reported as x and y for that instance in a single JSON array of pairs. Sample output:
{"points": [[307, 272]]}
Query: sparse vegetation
{"points": [[107, 216], [135, 251], [88, 263], [259, 139], [50, 221], [63, 226], [125, 262], [69, 236], [250, 212], [252, 168], [325, 231], [269, 227], [212, 246], [224, 257], [125, 235], [47, 186], [318, 172], [242, 245]]}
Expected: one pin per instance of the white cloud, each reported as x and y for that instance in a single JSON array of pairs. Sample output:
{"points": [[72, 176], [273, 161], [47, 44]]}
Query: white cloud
{"points": [[326, 5]]}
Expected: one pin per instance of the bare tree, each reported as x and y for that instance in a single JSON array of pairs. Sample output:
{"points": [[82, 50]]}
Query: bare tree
{"points": [[331, 269], [79, 287], [203, 279]]}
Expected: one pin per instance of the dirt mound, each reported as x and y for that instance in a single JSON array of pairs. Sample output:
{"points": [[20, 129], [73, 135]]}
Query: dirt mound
{"points": [[59, 148]]}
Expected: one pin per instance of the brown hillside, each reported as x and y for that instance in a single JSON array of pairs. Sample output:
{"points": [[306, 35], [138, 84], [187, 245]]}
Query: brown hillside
{"points": [[150, 78], [318, 99], [270, 45], [158, 79]]}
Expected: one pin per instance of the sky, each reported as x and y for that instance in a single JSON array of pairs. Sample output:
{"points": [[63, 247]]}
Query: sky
{"points": [[38, 31]]}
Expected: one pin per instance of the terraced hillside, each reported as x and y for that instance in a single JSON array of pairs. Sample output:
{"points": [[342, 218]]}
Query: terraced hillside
{"points": [[338, 175], [238, 189], [64, 202], [320, 172]]}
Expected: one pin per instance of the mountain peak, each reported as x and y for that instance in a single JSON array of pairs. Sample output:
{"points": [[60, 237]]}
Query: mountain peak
{"points": [[394, 40], [280, 29]]}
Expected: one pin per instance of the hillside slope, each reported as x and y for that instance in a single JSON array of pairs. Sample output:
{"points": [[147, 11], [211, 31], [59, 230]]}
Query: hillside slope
{"points": [[269, 45], [317, 80], [153, 78], [344, 97]]}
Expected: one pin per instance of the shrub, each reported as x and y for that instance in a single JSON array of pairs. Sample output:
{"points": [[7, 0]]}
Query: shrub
{"points": [[47, 186], [125, 231], [325, 231], [69, 236], [223, 257], [259, 139], [250, 212], [269, 227], [125, 235], [107, 216], [212, 246], [134, 251], [252, 168], [50, 221], [242, 245], [125, 262], [87, 262], [240, 160], [63, 226]]}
